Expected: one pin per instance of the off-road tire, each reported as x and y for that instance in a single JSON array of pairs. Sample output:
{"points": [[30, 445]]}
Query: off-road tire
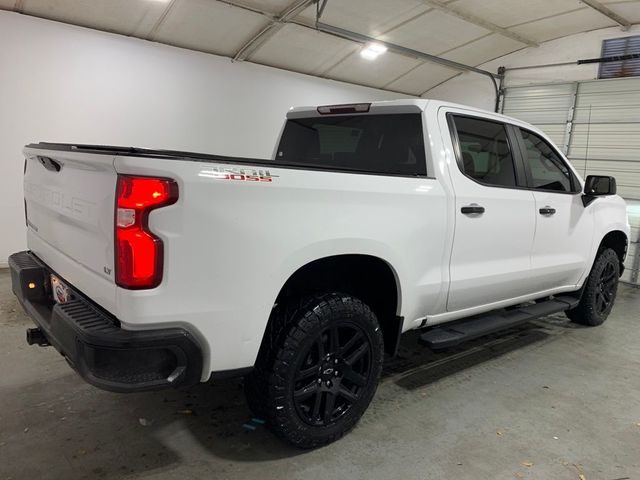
{"points": [[299, 334], [599, 292]]}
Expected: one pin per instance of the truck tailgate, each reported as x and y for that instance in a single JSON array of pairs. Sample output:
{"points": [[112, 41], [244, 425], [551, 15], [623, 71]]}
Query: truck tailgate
{"points": [[69, 202]]}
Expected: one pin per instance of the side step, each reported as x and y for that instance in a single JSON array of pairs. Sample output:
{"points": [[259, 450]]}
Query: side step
{"points": [[449, 335]]}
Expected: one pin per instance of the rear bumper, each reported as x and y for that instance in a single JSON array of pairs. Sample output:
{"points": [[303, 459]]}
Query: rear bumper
{"points": [[93, 342]]}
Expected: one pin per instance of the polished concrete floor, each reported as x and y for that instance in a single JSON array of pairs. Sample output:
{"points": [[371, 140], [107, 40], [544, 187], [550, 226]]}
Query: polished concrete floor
{"points": [[548, 400]]}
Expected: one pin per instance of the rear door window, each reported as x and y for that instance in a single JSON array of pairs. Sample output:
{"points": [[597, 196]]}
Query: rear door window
{"points": [[383, 144], [485, 152]]}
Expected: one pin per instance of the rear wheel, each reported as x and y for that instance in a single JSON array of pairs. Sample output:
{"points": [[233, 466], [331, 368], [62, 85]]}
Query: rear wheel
{"points": [[599, 292], [317, 376]]}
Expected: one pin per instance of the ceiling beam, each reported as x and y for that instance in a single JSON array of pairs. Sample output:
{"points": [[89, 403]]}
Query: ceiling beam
{"points": [[250, 8], [382, 33], [288, 16], [163, 16], [480, 22], [607, 12], [275, 24], [351, 36], [409, 52]]}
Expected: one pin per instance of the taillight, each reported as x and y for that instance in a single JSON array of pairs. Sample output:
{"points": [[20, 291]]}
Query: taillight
{"points": [[139, 253]]}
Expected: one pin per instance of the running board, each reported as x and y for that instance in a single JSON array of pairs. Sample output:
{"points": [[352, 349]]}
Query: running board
{"points": [[449, 335]]}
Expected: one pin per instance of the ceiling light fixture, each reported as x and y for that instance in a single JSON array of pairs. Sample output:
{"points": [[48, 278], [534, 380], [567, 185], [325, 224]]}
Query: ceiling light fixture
{"points": [[371, 51]]}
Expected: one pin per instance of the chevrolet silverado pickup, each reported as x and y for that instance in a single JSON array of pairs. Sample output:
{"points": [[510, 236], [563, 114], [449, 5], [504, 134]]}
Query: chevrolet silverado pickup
{"points": [[150, 269]]}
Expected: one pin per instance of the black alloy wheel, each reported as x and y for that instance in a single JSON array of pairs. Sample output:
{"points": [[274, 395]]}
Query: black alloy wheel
{"points": [[606, 288], [332, 374], [318, 368]]}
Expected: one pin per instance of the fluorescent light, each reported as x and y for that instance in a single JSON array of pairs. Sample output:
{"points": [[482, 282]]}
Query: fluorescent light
{"points": [[372, 50]]}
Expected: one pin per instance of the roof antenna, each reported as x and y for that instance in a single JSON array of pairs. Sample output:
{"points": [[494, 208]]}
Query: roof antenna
{"points": [[320, 4]]}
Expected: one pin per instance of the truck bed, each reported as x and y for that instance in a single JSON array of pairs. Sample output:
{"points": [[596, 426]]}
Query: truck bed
{"points": [[116, 150]]}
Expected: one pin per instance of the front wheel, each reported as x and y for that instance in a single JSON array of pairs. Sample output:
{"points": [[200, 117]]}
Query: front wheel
{"points": [[316, 378], [599, 291]]}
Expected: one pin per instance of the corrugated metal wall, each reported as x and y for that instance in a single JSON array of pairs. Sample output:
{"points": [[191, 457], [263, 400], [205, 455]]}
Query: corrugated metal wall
{"points": [[606, 132], [596, 124], [546, 106]]}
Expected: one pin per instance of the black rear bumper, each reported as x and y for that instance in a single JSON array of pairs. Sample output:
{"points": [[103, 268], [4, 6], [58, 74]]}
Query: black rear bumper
{"points": [[93, 343]]}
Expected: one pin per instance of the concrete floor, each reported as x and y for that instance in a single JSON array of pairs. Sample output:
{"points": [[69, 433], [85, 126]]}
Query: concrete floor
{"points": [[548, 400]]}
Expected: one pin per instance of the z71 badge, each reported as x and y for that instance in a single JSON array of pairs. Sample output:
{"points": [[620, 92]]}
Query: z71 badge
{"points": [[242, 174]]}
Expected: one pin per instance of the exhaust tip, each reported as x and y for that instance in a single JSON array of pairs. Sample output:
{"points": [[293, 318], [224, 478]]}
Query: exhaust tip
{"points": [[35, 336]]}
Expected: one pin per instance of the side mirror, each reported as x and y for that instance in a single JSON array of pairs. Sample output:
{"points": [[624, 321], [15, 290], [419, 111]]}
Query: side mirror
{"points": [[596, 186]]}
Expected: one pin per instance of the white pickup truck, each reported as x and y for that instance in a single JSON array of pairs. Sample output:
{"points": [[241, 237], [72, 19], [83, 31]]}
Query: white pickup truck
{"points": [[149, 269]]}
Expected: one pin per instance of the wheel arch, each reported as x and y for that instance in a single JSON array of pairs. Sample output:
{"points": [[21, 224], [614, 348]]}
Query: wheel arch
{"points": [[367, 277], [618, 241]]}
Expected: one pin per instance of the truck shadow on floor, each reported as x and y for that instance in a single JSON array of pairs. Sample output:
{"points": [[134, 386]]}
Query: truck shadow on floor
{"points": [[416, 367], [228, 430], [171, 429], [221, 422]]}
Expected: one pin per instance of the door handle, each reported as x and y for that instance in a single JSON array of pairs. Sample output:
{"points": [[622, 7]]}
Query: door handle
{"points": [[547, 210], [471, 209]]}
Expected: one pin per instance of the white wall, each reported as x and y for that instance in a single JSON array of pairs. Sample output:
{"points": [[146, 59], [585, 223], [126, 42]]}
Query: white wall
{"points": [[476, 90], [62, 83]]}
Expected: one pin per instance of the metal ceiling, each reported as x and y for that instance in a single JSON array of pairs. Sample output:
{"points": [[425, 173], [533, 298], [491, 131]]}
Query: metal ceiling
{"points": [[430, 41]]}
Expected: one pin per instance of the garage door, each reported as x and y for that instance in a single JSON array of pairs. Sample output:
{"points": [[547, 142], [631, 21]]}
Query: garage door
{"points": [[597, 125], [546, 106]]}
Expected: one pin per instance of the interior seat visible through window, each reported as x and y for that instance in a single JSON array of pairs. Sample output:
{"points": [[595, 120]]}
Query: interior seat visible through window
{"points": [[485, 152]]}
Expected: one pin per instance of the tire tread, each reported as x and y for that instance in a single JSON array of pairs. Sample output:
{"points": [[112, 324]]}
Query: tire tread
{"points": [[293, 322], [585, 313]]}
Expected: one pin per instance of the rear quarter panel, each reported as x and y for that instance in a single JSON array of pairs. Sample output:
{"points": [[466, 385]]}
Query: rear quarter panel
{"points": [[230, 245]]}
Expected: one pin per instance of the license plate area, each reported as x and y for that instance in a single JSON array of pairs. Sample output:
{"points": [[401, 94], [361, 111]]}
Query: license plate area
{"points": [[60, 292]]}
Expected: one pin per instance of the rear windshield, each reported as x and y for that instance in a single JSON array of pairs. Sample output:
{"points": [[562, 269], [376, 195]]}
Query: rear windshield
{"points": [[384, 144]]}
